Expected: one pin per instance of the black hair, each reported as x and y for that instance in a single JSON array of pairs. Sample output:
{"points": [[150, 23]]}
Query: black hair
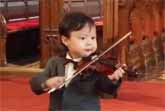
{"points": [[74, 21]]}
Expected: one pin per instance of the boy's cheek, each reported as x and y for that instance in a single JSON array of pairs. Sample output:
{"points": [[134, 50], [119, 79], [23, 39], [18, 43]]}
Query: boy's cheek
{"points": [[94, 49]]}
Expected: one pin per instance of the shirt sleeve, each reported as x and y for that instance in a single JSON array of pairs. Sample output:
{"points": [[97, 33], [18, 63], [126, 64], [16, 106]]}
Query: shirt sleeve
{"points": [[37, 81]]}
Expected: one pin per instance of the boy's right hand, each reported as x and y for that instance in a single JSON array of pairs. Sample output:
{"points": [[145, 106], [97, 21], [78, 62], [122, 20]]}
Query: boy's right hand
{"points": [[54, 82]]}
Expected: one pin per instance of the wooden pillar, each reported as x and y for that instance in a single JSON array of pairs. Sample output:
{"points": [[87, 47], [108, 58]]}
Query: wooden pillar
{"points": [[163, 14], [50, 13], [107, 21], [124, 27], [110, 20], [3, 61], [3, 32]]}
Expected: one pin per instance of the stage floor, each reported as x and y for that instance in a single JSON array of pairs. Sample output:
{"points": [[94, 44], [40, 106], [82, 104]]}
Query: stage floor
{"points": [[15, 95]]}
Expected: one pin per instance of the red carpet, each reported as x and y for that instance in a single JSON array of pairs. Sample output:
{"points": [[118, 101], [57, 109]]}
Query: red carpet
{"points": [[15, 95]]}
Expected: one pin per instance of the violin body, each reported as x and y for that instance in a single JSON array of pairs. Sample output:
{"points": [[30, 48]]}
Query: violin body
{"points": [[103, 65], [107, 65]]}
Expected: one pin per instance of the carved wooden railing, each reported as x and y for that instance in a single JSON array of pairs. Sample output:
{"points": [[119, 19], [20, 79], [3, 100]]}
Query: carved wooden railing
{"points": [[16, 16]]}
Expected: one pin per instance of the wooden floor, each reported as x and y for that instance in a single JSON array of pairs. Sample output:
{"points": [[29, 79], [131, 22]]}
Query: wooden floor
{"points": [[132, 96], [21, 67]]}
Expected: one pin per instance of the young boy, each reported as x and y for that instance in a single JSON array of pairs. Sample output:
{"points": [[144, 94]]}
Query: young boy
{"points": [[78, 35]]}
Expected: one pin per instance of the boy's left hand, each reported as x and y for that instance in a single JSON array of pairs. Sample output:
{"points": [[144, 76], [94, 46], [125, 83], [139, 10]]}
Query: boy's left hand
{"points": [[117, 74]]}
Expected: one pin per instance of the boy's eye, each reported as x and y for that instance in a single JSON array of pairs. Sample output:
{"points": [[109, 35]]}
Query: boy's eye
{"points": [[82, 38], [93, 38]]}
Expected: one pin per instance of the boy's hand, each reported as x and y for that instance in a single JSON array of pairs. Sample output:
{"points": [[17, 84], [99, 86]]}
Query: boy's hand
{"points": [[117, 74], [54, 82]]}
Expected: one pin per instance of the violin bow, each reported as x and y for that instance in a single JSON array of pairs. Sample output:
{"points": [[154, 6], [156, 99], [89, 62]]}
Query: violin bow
{"points": [[93, 61]]}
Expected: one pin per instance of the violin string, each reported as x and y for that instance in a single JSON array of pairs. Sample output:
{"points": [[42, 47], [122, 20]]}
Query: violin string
{"points": [[93, 61]]}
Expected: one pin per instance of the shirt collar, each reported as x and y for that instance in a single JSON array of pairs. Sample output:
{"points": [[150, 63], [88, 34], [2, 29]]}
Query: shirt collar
{"points": [[75, 60]]}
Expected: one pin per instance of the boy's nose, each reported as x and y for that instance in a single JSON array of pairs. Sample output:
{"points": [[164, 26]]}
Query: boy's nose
{"points": [[89, 42]]}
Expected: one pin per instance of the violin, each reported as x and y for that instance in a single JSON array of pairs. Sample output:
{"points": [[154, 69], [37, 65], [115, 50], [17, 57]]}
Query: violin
{"points": [[107, 65], [99, 60], [104, 65]]}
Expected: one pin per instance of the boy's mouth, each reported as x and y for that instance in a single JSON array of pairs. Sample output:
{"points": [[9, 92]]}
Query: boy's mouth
{"points": [[88, 50]]}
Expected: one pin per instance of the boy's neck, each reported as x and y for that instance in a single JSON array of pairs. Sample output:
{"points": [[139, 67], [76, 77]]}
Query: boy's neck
{"points": [[69, 56]]}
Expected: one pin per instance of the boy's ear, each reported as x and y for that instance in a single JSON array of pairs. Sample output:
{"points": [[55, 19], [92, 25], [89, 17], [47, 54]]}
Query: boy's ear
{"points": [[64, 40]]}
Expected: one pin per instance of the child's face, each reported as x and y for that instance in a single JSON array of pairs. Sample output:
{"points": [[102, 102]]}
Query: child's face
{"points": [[81, 43]]}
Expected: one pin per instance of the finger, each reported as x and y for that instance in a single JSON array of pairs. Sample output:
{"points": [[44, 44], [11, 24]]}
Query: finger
{"points": [[54, 85], [111, 77], [116, 76], [120, 73], [124, 65], [61, 81], [121, 70]]}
